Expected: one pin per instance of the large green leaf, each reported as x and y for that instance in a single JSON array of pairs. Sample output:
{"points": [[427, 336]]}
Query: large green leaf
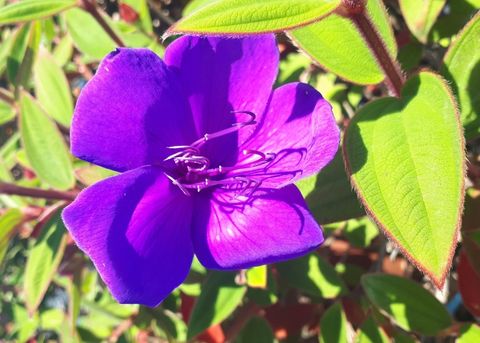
{"points": [[329, 194], [411, 306], [252, 16], [27, 10], [406, 160], [52, 89], [219, 298], [313, 275], [462, 68], [333, 325], [88, 36], [420, 15], [44, 145], [335, 43], [43, 261]]}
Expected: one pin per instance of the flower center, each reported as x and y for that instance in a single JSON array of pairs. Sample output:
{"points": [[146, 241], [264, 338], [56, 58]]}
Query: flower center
{"points": [[194, 172]]}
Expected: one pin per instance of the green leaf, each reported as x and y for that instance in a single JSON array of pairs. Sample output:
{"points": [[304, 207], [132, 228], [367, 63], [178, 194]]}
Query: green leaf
{"points": [[335, 44], [17, 53], [43, 261], [333, 325], [469, 333], [313, 275], [420, 15], [63, 50], [257, 277], [252, 16], [195, 5], [44, 145], [411, 306], [462, 68], [401, 167], [370, 332], [360, 232], [27, 10], [7, 112], [88, 36], [219, 298], [452, 21], [256, 330], [8, 221], [52, 89], [329, 194]]}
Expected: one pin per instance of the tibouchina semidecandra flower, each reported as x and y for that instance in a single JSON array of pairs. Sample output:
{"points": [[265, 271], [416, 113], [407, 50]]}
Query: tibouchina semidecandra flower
{"points": [[207, 154]]}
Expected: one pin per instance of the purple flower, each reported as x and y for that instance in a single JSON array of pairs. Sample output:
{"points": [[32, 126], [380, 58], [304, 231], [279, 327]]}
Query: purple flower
{"points": [[208, 154]]}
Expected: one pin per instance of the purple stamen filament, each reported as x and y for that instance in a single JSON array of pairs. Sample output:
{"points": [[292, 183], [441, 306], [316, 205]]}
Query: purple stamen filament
{"points": [[199, 175]]}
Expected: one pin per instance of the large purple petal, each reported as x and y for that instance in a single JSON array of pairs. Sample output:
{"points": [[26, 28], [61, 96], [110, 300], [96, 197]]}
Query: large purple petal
{"points": [[136, 229], [268, 228], [221, 75], [300, 129], [130, 112]]}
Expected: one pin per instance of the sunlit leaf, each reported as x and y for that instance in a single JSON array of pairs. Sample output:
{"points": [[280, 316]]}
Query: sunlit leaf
{"points": [[43, 261], [392, 155], [420, 15], [251, 16], [44, 145], [411, 306], [462, 69], [26, 10], [336, 44], [52, 89]]}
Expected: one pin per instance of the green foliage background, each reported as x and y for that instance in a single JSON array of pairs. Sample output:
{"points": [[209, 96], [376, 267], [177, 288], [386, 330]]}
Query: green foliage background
{"points": [[360, 286]]}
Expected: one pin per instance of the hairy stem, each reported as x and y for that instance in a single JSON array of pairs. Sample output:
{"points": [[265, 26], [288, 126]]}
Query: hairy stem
{"points": [[12, 189], [91, 7], [355, 10]]}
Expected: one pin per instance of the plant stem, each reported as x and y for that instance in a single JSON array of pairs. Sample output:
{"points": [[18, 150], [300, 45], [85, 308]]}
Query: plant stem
{"points": [[91, 7], [7, 96], [355, 10], [12, 189]]}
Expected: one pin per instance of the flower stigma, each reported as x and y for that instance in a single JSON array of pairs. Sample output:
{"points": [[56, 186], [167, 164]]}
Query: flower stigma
{"points": [[195, 172]]}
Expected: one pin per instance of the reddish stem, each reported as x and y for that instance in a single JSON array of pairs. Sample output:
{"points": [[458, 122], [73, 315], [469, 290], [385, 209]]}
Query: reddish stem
{"points": [[91, 7], [355, 10], [12, 189]]}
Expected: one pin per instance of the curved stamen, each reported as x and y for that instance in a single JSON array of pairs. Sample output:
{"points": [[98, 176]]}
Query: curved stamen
{"points": [[234, 128]]}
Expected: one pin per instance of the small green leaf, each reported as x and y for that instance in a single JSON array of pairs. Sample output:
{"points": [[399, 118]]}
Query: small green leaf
{"points": [[370, 332], [401, 167], [17, 53], [219, 298], [411, 306], [8, 221], [43, 261], [256, 330], [329, 194], [88, 36], [27, 10], [462, 68], [63, 50], [469, 333], [360, 232], [252, 16], [7, 112], [257, 277], [52, 89], [313, 275], [44, 145], [420, 15], [333, 325], [335, 44]]}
